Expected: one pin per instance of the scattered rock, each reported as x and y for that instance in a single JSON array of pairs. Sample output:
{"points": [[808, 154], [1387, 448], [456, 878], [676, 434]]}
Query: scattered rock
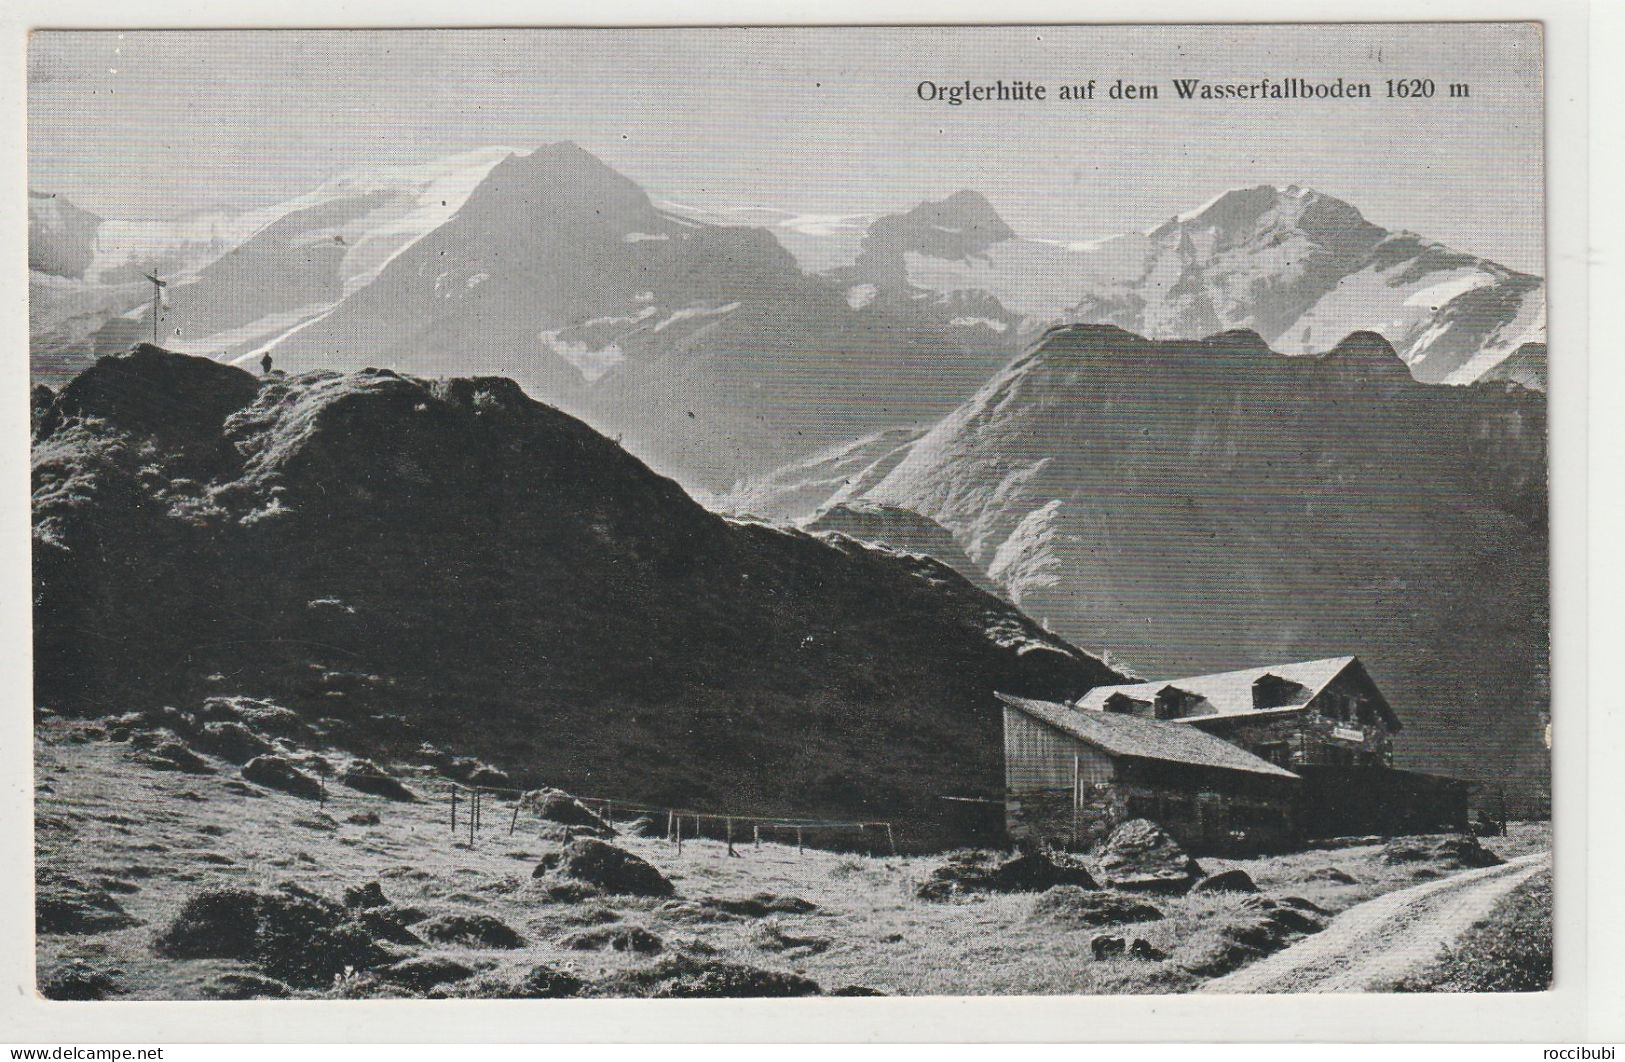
{"points": [[78, 980], [609, 868], [66, 905], [549, 891], [1294, 921], [556, 806], [233, 742], [383, 925], [262, 717], [857, 990], [362, 896], [547, 982], [971, 872], [1227, 881], [1142, 949], [275, 772], [1108, 946], [367, 777], [364, 818], [1141, 856], [320, 822], [424, 972], [760, 905], [1303, 905], [291, 934], [770, 936], [690, 977], [171, 755], [489, 777], [619, 938], [1443, 851], [245, 986], [471, 929], [1081, 908], [1331, 874]]}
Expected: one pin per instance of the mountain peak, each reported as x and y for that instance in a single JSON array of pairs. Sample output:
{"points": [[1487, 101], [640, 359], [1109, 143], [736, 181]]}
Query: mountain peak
{"points": [[561, 178], [1242, 213]]}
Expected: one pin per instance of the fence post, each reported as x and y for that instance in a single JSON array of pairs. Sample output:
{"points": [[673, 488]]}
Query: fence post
{"points": [[679, 835], [799, 847], [669, 835], [609, 813], [731, 851], [453, 789], [515, 823], [473, 811], [756, 833], [890, 839]]}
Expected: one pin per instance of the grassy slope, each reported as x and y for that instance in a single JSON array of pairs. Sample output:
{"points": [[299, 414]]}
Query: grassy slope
{"points": [[100, 815], [1508, 951]]}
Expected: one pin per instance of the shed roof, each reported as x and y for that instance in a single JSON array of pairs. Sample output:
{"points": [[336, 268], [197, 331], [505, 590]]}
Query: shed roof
{"points": [[1145, 739], [1229, 692]]}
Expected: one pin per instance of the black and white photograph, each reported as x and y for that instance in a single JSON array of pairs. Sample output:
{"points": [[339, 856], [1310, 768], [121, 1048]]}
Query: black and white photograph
{"points": [[698, 512]]}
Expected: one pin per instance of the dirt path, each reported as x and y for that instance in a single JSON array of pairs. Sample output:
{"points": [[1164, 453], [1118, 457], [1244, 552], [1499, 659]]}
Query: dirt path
{"points": [[1372, 945]]}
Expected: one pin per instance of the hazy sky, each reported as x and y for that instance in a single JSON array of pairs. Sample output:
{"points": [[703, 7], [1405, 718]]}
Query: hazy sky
{"points": [[154, 124]]}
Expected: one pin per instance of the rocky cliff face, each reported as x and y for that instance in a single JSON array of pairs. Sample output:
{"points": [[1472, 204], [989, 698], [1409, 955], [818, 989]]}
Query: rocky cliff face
{"points": [[405, 560], [1199, 506]]}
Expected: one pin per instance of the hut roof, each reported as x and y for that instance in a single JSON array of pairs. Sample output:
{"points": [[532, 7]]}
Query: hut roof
{"points": [[1229, 692], [1145, 739]]}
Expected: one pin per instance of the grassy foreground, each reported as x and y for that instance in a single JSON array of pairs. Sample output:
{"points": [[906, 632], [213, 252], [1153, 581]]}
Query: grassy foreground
{"points": [[147, 840]]}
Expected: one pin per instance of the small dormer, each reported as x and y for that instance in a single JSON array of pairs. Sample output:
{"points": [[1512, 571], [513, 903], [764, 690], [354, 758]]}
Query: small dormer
{"points": [[1175, 703], [1273, 691], [1123, 704]]}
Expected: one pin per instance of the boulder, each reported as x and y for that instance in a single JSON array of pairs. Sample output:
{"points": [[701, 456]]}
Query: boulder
{"points": [[692, 977], [1108, 946], [547, 982], [471, 929], [1443, 851], [970, 872], [424, 972], [642, 826], [1141, 856], [607, 867], [1227, 881], [1076, 907], [556, 806], [1142, 949], [362, 896], [364, 776], [170, 754], [274, 772], [233, 742], [1330, 874], [617, 938], [66, 905]]}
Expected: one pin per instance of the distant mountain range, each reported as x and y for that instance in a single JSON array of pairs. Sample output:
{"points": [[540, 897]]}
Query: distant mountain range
{"points": [[1195, 506], [702, 342]]}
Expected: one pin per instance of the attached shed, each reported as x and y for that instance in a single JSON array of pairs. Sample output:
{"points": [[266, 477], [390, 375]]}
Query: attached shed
{"points": [[1073, 776]]}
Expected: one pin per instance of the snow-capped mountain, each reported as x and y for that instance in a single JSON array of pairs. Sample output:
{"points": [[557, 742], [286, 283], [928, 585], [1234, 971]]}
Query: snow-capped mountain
{"points": [[236, 280], [1301, 268], [705, 347], [1203, 505]]}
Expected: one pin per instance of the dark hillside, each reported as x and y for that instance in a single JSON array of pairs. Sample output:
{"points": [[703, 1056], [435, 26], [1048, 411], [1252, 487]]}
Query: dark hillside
{"points": [[452, 561]]}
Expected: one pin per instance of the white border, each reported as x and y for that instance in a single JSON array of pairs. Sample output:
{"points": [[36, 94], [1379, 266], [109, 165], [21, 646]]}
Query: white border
{"points": [[1586, 1002]]}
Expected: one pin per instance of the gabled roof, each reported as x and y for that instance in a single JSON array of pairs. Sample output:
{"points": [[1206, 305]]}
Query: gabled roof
{"points": [[1145, 739], [1229, 692]]}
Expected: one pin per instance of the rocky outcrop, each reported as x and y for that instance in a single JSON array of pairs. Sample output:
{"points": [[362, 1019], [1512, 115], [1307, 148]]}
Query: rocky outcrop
{"points": [[475, 547]]}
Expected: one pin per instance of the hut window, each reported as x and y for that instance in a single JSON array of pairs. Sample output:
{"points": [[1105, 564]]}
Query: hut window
{"points": [[1273, 691]]}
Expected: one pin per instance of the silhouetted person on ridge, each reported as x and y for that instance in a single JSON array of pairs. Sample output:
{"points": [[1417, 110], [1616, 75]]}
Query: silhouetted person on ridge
{"points": [[265, 363]]}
